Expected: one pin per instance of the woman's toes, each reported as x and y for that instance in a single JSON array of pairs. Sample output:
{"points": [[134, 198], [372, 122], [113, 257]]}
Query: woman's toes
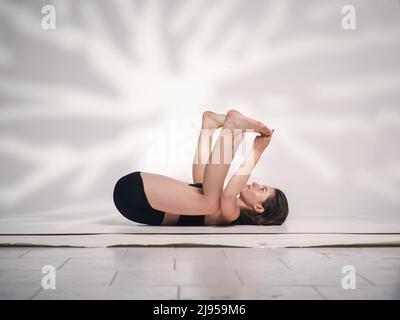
{"points": [[265, 130]]}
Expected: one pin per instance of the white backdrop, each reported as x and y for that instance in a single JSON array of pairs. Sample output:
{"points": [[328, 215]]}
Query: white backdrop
{"points": [[120, 86]]}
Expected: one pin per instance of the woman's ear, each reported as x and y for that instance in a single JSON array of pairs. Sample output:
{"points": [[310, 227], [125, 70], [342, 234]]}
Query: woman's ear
{"points": [[258, 208]]}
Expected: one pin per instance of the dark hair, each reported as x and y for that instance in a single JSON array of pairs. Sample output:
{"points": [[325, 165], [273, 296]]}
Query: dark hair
{"points": [[276, 210]]}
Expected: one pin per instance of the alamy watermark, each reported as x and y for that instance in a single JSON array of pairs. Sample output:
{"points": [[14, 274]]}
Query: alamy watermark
{"points": [[349, 19], [49, 18], [175, 145], [349, 280], [49, 280]]}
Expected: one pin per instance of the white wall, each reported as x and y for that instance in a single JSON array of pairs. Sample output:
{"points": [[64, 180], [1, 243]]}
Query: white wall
{"points": [[90, 101]]}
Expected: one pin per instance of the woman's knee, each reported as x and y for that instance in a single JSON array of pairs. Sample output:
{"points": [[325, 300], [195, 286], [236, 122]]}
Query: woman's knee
{"points": [[229, 119]]}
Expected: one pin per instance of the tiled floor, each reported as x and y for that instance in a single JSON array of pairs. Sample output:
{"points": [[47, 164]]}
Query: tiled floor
{"points": [[200, 273]]}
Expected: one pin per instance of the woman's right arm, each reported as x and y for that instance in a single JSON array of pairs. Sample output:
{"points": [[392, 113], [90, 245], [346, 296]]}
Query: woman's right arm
{"points": [[229, 208], [239, 179]]}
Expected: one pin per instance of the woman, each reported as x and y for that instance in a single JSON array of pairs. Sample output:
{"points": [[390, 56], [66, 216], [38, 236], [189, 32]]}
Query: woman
{"points": [[160, 200]]}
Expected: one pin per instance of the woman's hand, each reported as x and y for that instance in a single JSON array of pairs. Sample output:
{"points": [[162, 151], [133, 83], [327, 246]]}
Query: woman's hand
{"points": [[261, 142]]}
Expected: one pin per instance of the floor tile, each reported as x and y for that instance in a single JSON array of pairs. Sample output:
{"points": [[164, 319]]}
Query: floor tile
{"points": [[110, 292], [186, 277], [393, 252], [371, 253], [18, 278], [268, 253], [166, 263], [19, 291], [337, 261], [76, 252], [30, 263], [394, 261], [146, 254], [215, 254], [250, 293], [361, 293], [169, 273], [84, 277], [305, 276], [13, 252], [232, 264], [339, 251], [382, 276]]}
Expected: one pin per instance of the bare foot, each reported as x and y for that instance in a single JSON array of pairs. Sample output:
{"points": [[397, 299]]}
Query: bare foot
{"points": [[236, 120], [212, 120]]}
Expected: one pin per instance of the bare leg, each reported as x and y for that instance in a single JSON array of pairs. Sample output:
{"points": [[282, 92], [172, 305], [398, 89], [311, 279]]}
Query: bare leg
{"points": [[176, 197], [210, 122], [216, 171]]}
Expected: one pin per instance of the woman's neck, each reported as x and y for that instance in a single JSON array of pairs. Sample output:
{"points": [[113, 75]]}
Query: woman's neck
{"points": [[241, 204]]}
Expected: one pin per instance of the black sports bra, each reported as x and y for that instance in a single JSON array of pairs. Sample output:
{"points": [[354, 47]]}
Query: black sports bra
{"points": [[186, 220]]}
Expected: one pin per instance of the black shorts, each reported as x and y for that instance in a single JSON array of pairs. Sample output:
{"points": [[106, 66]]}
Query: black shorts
{"points": [[131, 201]]}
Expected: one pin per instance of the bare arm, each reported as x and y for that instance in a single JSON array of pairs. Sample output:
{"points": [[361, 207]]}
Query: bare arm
{"points": [[229, 208]]}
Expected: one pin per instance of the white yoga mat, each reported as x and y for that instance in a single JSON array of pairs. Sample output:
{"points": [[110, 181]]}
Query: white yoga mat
{"points": [[103, 230], [92, 223]]}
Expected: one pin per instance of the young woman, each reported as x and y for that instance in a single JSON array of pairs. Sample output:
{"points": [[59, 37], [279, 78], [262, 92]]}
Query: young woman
{"points": [[160, 200]]}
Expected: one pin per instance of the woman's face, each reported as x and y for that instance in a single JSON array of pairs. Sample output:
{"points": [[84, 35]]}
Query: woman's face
{"points": [[255, 194]]}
